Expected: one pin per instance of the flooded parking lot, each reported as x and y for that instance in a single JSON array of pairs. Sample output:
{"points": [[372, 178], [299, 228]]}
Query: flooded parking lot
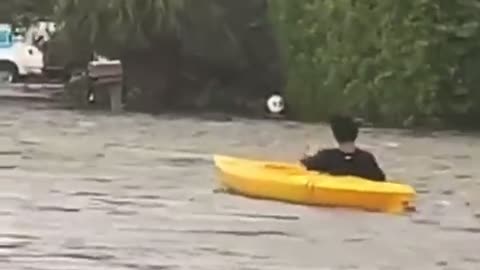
{"points": [[97, 191]]}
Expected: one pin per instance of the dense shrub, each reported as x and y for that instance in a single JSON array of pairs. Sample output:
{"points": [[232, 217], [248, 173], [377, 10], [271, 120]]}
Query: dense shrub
{"points": [[393, 62]]}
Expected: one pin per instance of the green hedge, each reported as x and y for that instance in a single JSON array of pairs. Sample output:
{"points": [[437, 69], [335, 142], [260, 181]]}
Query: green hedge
{"points": [[392, 62]]}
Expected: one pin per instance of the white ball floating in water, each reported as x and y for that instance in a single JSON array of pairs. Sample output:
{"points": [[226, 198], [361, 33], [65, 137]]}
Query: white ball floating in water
{"points": [[275, 104]]}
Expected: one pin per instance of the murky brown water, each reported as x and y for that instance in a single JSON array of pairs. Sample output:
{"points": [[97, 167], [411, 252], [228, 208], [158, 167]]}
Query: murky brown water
{"points": [[91, 191]]}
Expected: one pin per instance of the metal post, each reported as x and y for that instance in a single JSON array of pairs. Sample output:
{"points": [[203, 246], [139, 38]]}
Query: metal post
{"points": [[115, 93]]}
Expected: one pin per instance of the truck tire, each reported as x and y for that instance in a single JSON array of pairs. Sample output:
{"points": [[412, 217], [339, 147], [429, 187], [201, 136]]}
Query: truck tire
{"points": [[9, 72]]}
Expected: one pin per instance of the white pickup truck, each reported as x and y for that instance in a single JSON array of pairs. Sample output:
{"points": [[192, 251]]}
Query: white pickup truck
{"points": [[17, 58]]}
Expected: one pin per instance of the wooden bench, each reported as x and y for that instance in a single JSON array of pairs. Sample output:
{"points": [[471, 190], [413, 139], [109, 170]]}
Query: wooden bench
{"points": [[108, 75]]}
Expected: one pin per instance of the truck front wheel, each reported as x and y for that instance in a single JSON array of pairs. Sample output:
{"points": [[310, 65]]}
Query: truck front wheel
{"points": [[8, 72]]}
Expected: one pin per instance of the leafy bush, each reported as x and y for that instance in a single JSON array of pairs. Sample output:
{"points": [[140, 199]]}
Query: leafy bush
{"points": [[393, 62]]}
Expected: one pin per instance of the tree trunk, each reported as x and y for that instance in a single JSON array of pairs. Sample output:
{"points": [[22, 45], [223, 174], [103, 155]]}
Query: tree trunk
{"points": [[151, 76]]}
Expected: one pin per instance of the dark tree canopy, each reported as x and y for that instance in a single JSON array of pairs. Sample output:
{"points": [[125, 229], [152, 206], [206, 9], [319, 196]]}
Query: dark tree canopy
{"points": [[23, 12]]}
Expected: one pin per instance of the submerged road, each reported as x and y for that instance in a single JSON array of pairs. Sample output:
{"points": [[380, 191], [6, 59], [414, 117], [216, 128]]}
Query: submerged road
{"points": [[93, 191]]}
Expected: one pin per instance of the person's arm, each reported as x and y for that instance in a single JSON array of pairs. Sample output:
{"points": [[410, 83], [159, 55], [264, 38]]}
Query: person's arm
{"points": [[316, 162], [376, 172]]}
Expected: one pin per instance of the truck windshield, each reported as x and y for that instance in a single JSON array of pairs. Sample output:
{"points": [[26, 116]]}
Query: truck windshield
{"points": [[5, 38]]}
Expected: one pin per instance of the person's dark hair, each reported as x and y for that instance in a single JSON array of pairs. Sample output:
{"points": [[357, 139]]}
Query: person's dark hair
{"points": [[344, 128]]}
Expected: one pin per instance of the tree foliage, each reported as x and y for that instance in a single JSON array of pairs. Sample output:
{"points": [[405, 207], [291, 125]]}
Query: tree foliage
{"points": [[386, 60], [390, 61], [24, 12], [175, 46], [111, 26]]}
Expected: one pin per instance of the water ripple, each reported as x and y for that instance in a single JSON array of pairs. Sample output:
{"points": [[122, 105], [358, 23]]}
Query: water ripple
{"points": [[82, 256], [58, 209], [264, 216]]}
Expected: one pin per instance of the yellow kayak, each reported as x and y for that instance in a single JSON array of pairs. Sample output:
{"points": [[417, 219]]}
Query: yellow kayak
{"points": [[293, 183]]}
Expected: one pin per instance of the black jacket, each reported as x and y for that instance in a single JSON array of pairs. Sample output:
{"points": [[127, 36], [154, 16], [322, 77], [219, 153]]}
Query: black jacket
{"points": [[335, 162]]}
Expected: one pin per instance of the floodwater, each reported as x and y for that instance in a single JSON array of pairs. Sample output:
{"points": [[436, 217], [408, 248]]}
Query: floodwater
{"points": [[96, 191]]}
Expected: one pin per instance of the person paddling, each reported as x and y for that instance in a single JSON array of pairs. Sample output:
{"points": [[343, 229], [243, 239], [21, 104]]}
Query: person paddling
{"points": [[347, 159]]}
